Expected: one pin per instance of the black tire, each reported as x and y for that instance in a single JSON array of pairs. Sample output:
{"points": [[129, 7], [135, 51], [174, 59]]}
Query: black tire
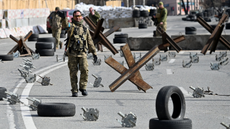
{"points": [[207, 19], [44, 45], [45, 52], [6, 57], [136, 13], [32, 39], [50, 39], [142, 26], [190, 32], [152, 12], [120, 40], [213, 26], [2, 93], [62, 36], [122, 35], [34, 36], [184, 19], [154, 123], [227, 25], [190, 29], [144, 13], [56, 109], [49, 30], [162, 101]]}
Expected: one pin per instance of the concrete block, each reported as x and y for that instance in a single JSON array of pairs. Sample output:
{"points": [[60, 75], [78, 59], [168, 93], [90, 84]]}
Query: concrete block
{"points": [[143, 43], [122, 22], [197, 42]]}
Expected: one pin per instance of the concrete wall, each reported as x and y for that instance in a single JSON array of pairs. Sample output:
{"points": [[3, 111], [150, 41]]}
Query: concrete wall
{"points": [[122, 22], [191, 42]]}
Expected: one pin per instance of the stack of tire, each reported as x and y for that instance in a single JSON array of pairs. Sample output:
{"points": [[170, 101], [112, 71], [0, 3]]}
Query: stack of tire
{"points": [[190, 30], [2, 93], [46, 46], [120, 38], [152, 12], [136, 13], [33, 37], [207, 19], [143, 13], [227, 25], [63, 35], [165, 120]]}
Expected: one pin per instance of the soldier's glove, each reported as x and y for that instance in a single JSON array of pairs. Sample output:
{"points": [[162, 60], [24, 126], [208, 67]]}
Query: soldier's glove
{"points": [[61, 14], [95, 58]]}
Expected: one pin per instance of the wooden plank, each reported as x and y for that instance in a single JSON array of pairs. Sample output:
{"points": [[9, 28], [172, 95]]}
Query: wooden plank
{"points": [[127, 74]]}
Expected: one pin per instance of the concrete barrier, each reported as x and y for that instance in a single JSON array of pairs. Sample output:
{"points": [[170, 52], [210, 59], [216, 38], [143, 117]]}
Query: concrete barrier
{"points": [[191, 42], [122, 22]]}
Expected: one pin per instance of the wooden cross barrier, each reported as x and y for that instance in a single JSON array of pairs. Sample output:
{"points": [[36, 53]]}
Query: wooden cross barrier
{"points": [[21, 46], [100, 38], [215, 35], [132, 74]]}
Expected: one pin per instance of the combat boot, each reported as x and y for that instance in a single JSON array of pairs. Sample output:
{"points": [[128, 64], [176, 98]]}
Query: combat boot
{"points": [[83, 92], [74, 94], [60, 45]]}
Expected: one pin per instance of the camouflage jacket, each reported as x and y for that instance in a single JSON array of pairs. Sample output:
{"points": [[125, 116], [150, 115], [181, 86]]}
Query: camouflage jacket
{"points": [[80, 42], [55, 21], [162, 15], [94, 17]]}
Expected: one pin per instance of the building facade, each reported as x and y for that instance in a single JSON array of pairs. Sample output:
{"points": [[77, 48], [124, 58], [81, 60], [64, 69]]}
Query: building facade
{"points": [[175, 7]]}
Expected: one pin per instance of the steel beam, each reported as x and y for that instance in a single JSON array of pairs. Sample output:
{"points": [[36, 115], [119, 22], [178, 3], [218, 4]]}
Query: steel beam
{"points": [[129, 73], [210, 30], [215, 36], [97, 31], [176, 40]]}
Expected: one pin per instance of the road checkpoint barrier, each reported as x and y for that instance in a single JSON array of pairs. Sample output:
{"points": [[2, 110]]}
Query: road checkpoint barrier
{"points": [[90, 114], [128, 120]]}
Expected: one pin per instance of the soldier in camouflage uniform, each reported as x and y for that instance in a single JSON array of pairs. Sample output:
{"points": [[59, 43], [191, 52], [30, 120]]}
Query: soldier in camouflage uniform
{"points": [[161, 17], [79, 42], [55, 22], [94, 15]]}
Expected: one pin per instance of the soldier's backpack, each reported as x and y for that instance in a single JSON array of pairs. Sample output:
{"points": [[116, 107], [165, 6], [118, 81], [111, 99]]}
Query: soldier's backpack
{"points": [[56, 22]]}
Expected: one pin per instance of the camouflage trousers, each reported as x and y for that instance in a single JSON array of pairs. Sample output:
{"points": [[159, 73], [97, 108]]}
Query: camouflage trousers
{"points": [[75, 64], [56, 34], [164, 26]]}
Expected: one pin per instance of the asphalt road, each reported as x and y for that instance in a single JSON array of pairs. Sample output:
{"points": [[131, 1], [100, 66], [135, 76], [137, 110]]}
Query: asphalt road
{"points": [[205, 113]]}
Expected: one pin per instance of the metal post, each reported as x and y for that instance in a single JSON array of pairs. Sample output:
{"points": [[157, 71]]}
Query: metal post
{"points": [[127, 3], [133, 3], [143, 2]]}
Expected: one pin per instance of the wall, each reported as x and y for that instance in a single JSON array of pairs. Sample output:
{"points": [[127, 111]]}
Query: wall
{"points": [[32, 4]]}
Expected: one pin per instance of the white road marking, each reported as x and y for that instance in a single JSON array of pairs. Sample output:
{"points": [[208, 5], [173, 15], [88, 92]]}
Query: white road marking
{"points": [[169, 71], [28, 121], [25, 111], [172, 61]]}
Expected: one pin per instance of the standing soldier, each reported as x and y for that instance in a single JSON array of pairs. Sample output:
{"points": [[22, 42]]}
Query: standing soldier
{"points": [[94, 15], [79, 43], [56, 26], [161, 17]]}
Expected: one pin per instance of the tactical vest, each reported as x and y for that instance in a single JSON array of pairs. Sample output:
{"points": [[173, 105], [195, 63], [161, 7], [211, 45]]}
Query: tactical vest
{"points": [[56, 22], [78, 39]]}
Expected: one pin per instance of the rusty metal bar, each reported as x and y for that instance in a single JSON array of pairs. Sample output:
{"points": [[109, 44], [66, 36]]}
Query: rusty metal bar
{"points": [[210, 30], [127, 74], [214, 38], [13, 38], [90, 23], [98, 28], [109, 32], [167, 39], [27, 36], [121, 69], [176, 40]]}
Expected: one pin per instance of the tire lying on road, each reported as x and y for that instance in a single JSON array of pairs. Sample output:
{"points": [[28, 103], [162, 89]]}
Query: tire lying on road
{"points": [[56, 109], [154, 123], [45, 52], [227, 25], [142, 26], [207, 19], [44, 45], [2, 93], [33, 37], [190, 30], [162, 100], [6, 57], [120, 40], [122, 35]]}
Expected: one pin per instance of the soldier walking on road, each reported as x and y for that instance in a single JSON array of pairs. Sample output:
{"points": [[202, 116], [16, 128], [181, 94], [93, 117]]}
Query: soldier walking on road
{"points": [[94, 15], [79, 43], [56, 25], [161, 17]]}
